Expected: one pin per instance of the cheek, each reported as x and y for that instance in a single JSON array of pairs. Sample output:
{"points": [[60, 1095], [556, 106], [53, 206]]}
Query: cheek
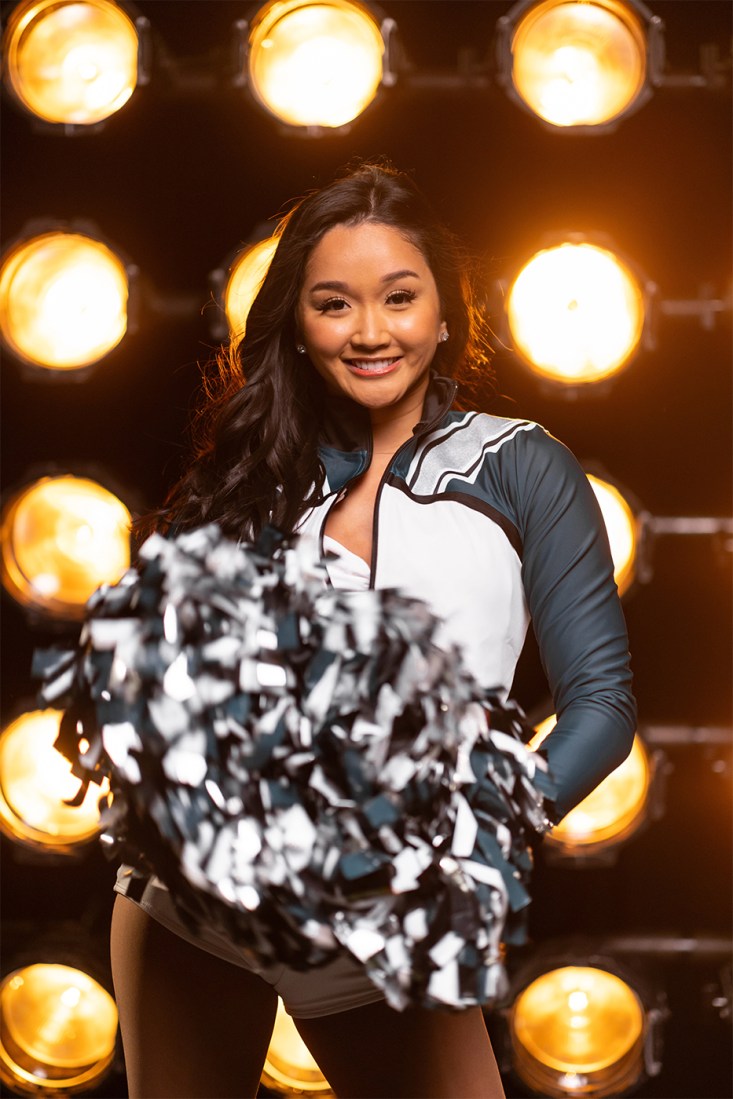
{"points": [[419, 329]]}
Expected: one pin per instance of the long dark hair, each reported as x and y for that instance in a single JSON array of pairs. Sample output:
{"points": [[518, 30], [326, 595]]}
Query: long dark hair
{"points": [[255, 435]]}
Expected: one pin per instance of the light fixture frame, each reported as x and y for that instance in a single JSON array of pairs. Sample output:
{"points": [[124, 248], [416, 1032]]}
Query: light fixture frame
{"points": [[497, 301], [27, 848], [392, 63], [81, 944], [653, 27], [582, 951], [36, 618], [76, 129], [39, 226]]}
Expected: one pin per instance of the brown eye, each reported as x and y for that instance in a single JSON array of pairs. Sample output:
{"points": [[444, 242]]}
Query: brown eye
{"points": [[332, 305], [401, 297]]}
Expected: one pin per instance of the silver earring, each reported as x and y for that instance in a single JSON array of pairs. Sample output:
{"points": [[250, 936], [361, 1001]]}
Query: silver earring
{"points": [[443, 337], [300, 349]]}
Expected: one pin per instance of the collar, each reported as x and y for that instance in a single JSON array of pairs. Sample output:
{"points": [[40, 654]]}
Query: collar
{"points": [[346, 433]]}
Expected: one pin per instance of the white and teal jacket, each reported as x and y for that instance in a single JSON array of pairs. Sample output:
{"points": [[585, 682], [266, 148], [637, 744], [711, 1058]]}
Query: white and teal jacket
{"points": [[493, 523]]}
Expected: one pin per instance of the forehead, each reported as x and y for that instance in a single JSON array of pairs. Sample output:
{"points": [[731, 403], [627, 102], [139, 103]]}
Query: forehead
{"points": [[366, 248]]}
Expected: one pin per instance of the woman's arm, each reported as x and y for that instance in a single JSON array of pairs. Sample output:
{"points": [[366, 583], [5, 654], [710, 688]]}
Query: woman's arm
{"points": [[577, 618]]}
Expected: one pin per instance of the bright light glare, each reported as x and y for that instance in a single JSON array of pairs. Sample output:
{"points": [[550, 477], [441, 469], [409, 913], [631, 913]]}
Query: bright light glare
{"points": [[576, 1020], [61, 538], [575, 313], [72, 62], [63, 300], [244, 283], [35, 782], [315, 64], [58, 1030], [621, 527], [612, 811], [290, 1068], [579, 64]]}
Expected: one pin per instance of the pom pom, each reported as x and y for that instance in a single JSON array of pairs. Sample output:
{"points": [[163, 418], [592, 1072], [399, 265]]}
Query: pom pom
{"points": [[303, 767]]}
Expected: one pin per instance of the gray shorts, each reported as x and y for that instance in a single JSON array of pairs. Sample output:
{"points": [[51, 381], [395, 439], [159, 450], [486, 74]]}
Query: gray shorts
{"points": [[339, 985]]}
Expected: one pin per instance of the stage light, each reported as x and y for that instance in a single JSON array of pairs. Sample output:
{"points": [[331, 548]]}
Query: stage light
{"points": [[73, 62], [60, 538], [57, 1033], [608, 816], [575, 313], [578, 1030], [35, 784], [579, 63], [289, 1067], [315, 64], [623, 529], [244, 283], [63, 300]]}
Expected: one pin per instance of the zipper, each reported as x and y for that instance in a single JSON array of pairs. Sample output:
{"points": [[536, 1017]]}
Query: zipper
{"points": [[424, 430]]}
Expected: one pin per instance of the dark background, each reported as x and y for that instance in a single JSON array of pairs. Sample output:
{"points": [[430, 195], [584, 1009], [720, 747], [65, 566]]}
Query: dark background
{"points": [[183, 175]]}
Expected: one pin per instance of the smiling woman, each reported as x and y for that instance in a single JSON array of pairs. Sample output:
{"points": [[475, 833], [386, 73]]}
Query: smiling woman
{"points": [[337, 418], [370, 319]]}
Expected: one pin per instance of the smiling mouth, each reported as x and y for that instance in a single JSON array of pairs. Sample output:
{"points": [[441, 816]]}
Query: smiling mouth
{"points": [[373, 367]]}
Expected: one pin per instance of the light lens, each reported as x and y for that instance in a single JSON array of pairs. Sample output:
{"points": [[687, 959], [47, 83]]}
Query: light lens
{"points": [[73, 62], [63, 300], [58, 1030], [289, 1067], [315, 64], [36, 782], [575, 313], [579, 64], [61, 537], [244, 283], [622, 530], [579, 1030]]}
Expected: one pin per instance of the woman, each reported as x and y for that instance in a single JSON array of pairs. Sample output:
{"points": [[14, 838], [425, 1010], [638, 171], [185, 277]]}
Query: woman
{"points": [[346, 431]]}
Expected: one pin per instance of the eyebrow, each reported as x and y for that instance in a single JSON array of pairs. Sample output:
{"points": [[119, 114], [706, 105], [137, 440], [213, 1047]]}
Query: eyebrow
{"points": [[342, 286]]}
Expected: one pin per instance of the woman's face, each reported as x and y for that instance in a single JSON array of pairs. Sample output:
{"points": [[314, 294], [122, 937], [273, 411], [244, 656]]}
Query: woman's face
{"points": [[369, 315]]}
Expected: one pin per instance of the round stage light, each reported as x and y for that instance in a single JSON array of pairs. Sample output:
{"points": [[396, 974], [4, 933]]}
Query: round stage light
{"points": [[578, 1030], [244, 283], [57, 1033], [289, 1067], [622, 528], [60, 538], [315, 64], [579, 63], [71, 61], [611, 813], [575, 313], [36, 783], [63, 300]]}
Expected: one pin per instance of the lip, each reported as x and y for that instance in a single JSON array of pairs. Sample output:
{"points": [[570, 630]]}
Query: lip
{"points": [[381, 366]]}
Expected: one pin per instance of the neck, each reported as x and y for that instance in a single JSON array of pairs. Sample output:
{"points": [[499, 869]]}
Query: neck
{"points": [[393, 426]]}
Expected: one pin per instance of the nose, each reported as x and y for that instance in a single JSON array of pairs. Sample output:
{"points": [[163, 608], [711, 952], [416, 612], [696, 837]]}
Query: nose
{"points": [[370, 331]]}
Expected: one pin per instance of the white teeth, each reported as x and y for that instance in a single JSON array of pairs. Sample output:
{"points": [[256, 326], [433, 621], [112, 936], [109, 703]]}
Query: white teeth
{"points": [[372, 364]]}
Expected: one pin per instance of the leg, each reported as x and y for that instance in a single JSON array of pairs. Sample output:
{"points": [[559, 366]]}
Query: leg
{"points": [[193, 1026], [374, 1052]]}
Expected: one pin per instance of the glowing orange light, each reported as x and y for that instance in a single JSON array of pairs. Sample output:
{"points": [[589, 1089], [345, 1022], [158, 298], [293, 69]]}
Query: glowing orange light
{"points": [[63, 300], [71, 61], [35, 784], [60, 538], [576, 313], [579, 63], [244, 283], [316, 63]]}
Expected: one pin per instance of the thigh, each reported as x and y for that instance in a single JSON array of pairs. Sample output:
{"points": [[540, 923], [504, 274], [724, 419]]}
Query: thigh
{"points": [[193, 1026], [374, 1052]]}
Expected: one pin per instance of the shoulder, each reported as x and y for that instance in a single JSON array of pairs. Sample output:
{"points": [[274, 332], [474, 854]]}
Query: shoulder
{"points": [[523, 442]]}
